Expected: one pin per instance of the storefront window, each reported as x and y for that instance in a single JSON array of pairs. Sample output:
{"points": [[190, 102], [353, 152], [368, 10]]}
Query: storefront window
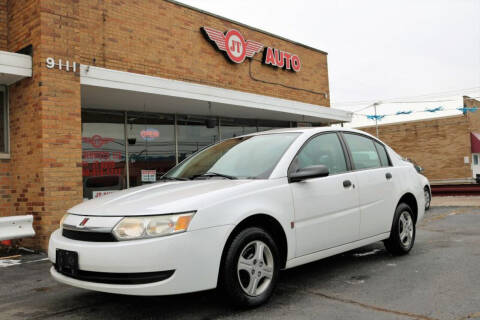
{"points": [[3, 121], [195, 133], [231, 128], [103, 152], [150, 143], [151, 146], [264, 125]]}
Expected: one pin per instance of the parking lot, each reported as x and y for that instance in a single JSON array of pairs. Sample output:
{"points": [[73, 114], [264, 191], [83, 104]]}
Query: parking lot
{"points": [[439, 279]]}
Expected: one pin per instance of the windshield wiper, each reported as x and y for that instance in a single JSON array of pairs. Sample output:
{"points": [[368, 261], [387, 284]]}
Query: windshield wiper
{"points": [[213, 174], [173, 178]]}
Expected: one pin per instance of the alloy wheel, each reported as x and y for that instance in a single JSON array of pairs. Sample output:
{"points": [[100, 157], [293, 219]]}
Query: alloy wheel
{"points": [[405, 229], [255, 268], [427, 198]]}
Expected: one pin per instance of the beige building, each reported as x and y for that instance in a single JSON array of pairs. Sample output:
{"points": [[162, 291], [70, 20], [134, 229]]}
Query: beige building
{"points": [[448, 148]]}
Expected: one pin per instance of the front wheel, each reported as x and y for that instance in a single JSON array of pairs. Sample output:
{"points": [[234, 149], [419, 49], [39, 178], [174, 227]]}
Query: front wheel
{"points": [[250, 268], [402, 235]]}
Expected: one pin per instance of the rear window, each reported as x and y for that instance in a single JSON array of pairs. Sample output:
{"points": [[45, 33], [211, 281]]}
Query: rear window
{"points": [[383, 154]]}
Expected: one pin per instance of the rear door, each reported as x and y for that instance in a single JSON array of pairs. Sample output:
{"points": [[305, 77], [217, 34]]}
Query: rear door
{"points": [[375, 179], [326, 208]]}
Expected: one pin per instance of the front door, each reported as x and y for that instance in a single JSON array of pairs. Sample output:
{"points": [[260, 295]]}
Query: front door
{"points": [[476, 164], [326, 208]]}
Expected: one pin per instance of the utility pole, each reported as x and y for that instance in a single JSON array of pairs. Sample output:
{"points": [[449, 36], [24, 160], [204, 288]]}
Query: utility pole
{"points": [[375, 104]]}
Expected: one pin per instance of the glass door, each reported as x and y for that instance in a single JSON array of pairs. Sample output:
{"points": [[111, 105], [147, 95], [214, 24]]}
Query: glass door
{"points": [[151, 146], [103, 152]]}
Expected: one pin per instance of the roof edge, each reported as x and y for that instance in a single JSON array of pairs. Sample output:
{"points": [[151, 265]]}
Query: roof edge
{"points": [[245, 25], [411, 121]]}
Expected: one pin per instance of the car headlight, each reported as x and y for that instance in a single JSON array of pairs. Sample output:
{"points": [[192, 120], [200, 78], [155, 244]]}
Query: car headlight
{"points": [[63, 219], [152, 226]]}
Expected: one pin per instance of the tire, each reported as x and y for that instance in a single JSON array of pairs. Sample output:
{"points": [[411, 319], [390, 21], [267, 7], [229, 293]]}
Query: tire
{"points": [[250, 281], [428, 197], [401, 240]]}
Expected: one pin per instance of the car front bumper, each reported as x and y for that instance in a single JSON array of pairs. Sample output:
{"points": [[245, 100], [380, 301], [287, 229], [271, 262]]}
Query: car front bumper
{"points": [[194, 256]]}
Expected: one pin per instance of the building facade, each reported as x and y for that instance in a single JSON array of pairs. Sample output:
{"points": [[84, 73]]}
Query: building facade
{"points": [[447, 148], [97, 96]]}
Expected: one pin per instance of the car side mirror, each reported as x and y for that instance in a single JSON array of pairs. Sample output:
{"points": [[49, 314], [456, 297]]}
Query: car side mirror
{"points": [[309, 172]]}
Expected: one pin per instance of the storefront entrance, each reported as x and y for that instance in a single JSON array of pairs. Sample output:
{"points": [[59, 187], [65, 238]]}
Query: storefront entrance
{"points": [[127, 149]]}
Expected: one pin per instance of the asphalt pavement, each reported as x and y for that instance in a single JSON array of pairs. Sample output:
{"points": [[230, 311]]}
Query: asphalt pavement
{"points": [[439, 279]]}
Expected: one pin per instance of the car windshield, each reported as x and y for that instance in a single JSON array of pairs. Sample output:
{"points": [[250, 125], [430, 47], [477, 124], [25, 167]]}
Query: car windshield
{"points": [[249, 157]]}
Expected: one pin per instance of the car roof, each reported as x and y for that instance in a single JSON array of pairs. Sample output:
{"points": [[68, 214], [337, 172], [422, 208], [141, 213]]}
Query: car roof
{"points": [[311, 130], [314, 130]]}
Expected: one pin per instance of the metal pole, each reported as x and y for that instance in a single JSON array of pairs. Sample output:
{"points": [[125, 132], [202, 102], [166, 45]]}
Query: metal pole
{"points": [[376, 119], [219, 130], [125, 136], [175, 133]]}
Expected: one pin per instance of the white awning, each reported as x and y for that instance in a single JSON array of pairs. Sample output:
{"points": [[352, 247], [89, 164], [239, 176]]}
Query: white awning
{"points": [[110, 89], [14, 67]]}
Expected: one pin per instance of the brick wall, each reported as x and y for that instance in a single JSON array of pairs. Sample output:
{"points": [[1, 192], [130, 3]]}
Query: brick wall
{"points": [[61, 114], [26, 187], [437, 145], [43, 177], [5, 188], [473, 117], [3, 25], [163, 39]]}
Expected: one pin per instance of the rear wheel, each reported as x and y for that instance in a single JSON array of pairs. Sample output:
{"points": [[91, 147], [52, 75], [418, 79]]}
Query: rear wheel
{"points": [[402, 235], [428, 198], [250, 268]]}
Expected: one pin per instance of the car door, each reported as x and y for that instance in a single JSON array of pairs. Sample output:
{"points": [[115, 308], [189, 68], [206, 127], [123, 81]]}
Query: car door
{"points": [[375, 181], [326, 208]]}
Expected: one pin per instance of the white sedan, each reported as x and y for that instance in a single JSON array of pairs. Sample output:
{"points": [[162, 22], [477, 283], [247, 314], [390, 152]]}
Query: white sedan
{"points": [[236, 213]]}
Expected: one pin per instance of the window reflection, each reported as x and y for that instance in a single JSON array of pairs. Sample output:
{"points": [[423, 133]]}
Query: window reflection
{"points": [[151, 146], [195, 133], [103, 153]]}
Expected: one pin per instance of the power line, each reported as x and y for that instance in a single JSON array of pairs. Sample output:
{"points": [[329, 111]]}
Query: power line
{"points": [[439, 94], [378, 103]]}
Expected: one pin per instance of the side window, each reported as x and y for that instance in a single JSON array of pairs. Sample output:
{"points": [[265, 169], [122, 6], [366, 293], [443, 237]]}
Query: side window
{"points": [[323, 149], [364, 154], [383, 154]]}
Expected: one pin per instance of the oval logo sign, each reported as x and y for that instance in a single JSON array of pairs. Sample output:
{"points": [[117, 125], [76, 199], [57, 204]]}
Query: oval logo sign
{"points": [[149, 134]]}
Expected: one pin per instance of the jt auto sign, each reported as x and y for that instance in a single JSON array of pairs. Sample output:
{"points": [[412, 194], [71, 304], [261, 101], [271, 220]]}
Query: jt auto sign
{"points": [[236, 48]]}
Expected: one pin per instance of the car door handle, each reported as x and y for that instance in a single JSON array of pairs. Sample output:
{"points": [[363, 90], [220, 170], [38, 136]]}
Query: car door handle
{"points": [[347, 183], [388, 175]]}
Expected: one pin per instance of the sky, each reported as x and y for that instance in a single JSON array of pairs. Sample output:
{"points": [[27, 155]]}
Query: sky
{"points": [[379, 50]]}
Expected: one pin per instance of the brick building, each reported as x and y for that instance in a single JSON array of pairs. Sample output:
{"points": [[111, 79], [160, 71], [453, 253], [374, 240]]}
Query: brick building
{"points": [[447, 148], [96, 96]]}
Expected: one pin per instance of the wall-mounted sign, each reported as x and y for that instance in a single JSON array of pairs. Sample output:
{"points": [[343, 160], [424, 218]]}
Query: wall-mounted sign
{"points": [[61, 64], [96, 141], [149, 175], [236, 48], [149, 134]]}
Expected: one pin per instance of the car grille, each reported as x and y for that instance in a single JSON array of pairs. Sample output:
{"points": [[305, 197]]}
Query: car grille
{"points": [[119, 278], [88, 236]]}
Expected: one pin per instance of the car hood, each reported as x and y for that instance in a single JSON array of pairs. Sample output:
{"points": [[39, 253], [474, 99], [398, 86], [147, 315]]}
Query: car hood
{"points": [[164, 197]]}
